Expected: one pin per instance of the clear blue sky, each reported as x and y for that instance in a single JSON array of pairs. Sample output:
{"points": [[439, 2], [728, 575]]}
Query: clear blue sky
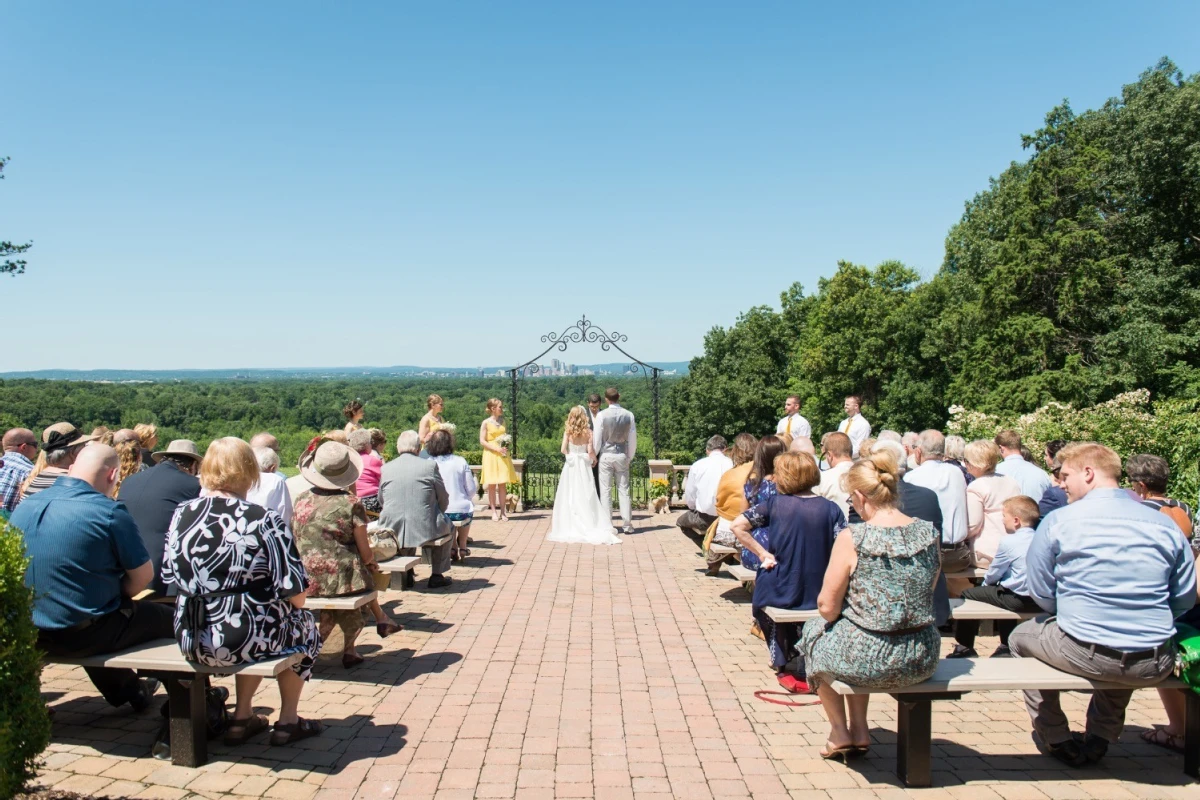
{"points": [[308, 184]]}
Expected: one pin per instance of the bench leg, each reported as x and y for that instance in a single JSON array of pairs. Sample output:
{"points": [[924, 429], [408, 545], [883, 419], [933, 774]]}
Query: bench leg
{"points": [[914, 736], [1191, 736], [189, 720], [408, 579]]}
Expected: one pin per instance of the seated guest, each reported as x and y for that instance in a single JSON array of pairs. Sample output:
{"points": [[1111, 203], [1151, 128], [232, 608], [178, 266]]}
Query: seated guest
{"points": [[1148, 476], [876, 628], [86, 562], [956, 454], [341, 437], [1054, 497], [791, 564], [760, 487], [803, 444], [270, 490], [414, 500], [909, 441], [700, 491], [379, 444], [730, 502], [835, 449], [61, 445], [461, 489], [1004, 585], [330, 526], [153, 495], [947, 482], [1113, 574], [20, 448], [131, 462], [102, 434], [1032, 480], [241, 588], [147, 435], [985, 498], [367, 486]]}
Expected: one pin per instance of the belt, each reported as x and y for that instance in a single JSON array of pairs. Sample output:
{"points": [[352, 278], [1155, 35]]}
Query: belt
{"points": [[958, 546], [1119, 655]]}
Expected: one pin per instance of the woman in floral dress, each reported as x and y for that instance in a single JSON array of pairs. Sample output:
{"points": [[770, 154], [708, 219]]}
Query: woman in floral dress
{"points": [[241, 588], [876, 628]]}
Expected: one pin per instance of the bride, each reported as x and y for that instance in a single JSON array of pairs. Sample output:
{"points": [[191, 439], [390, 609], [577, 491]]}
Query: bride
{"points": [[578, 515]]}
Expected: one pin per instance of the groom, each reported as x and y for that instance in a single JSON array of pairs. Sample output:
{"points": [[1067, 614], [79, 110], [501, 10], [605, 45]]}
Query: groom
{"points": [[614, 439]]}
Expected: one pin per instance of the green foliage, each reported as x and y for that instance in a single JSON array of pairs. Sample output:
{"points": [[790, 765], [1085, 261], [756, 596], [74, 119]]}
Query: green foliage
{"points": [[295, 411], [658, 487], [12, 266], [24, 722], [1128, 423]]}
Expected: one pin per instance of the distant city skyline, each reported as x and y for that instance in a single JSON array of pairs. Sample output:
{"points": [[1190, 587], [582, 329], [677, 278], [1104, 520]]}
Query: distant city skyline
{"points": [[223, 183]]}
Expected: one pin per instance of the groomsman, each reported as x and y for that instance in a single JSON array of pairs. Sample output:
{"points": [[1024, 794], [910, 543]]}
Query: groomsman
{"points": [[792, 423], [855, 425], [593, 408]]}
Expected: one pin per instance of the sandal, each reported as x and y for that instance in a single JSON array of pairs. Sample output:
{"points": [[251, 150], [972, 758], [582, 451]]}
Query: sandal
{"points": [[300, 729], [240, 730], [351, 660], [454, 556], [1158, 735], [463, 553]]}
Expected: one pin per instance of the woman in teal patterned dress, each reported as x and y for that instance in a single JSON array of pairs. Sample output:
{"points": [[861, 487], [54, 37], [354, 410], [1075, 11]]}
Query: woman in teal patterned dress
{"points": [[876, 627]]}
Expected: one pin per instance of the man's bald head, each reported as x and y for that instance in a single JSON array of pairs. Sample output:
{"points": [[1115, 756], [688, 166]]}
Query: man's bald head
{"points": [[98, 465], [802, 444], [266, 440], [16, 437], [124, 435]]}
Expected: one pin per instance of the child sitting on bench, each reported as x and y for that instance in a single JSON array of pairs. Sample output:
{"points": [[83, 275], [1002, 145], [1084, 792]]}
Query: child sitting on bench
{"points": [[1004, 584]]}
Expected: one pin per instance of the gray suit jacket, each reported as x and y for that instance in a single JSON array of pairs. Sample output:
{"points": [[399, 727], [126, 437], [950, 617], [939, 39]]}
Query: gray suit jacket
{"points": [[413, 498]]}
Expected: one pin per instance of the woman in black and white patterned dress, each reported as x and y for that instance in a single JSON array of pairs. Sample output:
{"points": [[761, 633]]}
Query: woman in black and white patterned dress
{"points": [[241, 590]]}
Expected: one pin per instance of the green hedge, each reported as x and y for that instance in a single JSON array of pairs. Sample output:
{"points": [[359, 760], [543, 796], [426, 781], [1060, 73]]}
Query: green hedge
{"points": [[24, 721]]}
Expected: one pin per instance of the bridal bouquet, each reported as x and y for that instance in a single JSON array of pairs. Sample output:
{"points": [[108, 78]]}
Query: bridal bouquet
{"points": [[448, 427], [504, 440]]}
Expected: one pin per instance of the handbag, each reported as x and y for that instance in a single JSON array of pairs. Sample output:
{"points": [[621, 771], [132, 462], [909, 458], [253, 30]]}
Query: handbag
{"points": [[1187, 642], [384, 544]]}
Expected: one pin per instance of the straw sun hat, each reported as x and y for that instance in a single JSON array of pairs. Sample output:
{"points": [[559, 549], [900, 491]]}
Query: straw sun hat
{"points": [[333, 465], [179, 447]]}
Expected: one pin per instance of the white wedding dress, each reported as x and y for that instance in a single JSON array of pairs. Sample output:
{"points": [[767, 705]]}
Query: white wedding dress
{"points": [[578, 516]]}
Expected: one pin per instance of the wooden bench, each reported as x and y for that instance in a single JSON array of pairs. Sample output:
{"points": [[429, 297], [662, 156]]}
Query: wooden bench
{"points": [[723, 549], [402, 565], [956, 677], [743, 574], [345, 603], [972, 574], [185, 692], [959, 609]]}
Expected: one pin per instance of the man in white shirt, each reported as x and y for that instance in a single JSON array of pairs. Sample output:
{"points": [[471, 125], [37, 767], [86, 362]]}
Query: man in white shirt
{"points": [[792, 423], [614, 440], [855, 425], [948, 483], [835, 449], [271, 491], [700, 493], [1033, 481]]}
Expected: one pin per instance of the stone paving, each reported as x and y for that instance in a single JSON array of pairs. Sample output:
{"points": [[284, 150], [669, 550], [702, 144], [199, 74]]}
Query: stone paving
{"points": [[568, 671]]}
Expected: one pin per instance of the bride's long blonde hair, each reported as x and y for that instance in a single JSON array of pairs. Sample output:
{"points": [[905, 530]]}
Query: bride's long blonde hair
{"points": [[577, 424]]}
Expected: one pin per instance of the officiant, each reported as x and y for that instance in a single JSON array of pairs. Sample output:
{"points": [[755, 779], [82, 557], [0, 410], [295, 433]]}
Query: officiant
{"points": [[593, 408]]}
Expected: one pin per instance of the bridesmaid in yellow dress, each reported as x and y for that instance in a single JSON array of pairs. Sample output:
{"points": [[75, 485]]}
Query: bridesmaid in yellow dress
{"points": [[498, 469], [432, 419]]}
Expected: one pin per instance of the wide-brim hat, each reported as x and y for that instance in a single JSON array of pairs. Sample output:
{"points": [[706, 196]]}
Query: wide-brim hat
{"points": [[332, 466], [179, 447], [61, 435]]}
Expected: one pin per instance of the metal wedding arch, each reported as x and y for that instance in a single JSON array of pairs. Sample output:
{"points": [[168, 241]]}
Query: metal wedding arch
{"points": [[584, 332]]}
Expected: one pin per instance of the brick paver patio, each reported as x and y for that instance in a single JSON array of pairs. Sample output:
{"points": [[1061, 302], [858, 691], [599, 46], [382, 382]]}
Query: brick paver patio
{"points": [[567, 671]]}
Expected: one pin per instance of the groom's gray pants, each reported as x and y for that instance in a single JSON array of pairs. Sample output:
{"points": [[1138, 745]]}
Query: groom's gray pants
{"points": [[616, 464]]}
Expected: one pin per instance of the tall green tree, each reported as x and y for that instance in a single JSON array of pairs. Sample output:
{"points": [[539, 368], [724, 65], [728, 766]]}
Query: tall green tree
{"points": [[10, 265]]}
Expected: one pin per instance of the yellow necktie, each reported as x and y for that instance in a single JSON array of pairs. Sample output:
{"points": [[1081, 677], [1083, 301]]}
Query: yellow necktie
{"points": [[789, 427]]}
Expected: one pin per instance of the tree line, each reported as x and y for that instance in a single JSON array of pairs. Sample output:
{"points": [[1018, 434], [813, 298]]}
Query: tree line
{"points": [[1074, 277]]}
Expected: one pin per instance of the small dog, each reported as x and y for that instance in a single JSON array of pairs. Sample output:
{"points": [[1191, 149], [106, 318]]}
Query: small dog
{"points": [[660, 505], [510, 503]]}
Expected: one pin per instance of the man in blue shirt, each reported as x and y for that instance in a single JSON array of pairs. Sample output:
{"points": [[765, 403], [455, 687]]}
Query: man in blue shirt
{"points": [[1114, 575], [1032, 479], [20, 447], [87, 561], [1004, 585]]}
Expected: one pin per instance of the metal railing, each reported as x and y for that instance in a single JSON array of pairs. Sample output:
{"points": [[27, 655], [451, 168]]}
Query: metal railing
{"points": [[543, 470]]}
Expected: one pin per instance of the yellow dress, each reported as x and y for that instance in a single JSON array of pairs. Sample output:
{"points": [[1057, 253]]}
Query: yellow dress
{"points": [[496, 468]]}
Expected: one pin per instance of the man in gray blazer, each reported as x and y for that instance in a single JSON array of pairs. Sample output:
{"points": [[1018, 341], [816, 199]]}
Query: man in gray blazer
{"points": [[614, 439], [414, 498]]}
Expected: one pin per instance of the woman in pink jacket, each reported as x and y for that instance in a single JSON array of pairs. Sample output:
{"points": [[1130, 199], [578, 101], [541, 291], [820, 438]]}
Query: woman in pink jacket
{"points": [[985, 499]]}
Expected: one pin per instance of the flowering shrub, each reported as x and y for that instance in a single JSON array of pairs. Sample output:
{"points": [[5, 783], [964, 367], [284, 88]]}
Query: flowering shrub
{"points": [[1129, 424], [658, 487]]}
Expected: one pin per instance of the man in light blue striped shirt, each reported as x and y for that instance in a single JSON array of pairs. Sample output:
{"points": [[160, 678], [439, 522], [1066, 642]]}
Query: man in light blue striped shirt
{"points": [[1114, 574], [1032, 479]]}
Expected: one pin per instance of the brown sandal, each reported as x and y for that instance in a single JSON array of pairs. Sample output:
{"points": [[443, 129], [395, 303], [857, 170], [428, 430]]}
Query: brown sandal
{"points": [[300, 729], [240, 730], [1158, 736]]}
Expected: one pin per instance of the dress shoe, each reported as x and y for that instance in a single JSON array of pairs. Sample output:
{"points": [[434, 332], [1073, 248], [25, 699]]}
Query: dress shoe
{"points": [[1094, 747], [438, 581], [1068, 752], [144, 694], [628, 529], [962, 651]]}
